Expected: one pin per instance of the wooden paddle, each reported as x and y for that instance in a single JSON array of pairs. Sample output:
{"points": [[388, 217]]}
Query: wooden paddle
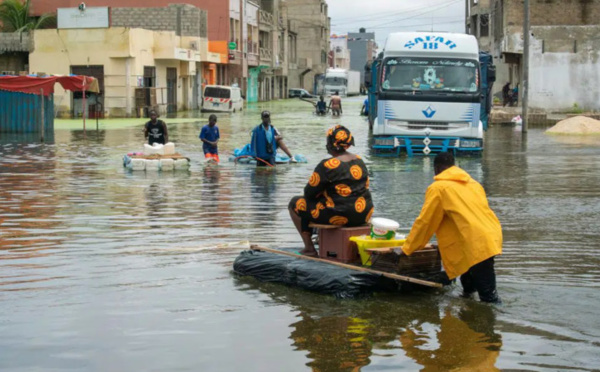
{"points": [[351, 267]]}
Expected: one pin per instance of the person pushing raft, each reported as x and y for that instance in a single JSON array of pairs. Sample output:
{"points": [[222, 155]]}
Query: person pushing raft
{"points": [[468, 232], [155, 130], [265, 141]]}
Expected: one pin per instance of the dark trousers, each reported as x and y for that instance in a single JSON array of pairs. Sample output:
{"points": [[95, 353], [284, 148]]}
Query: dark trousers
{"points": [[481, 278], [260, 163]]}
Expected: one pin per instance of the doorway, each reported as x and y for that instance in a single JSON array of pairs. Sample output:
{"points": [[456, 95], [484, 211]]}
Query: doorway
{"points": [[94, 102], [171, 90]]}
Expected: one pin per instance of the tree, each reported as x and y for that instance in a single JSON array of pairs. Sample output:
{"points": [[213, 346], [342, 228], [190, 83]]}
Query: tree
{"points": [[14, 17]]}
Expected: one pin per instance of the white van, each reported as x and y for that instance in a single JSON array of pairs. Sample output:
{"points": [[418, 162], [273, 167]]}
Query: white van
{"points": [[222, 98]]}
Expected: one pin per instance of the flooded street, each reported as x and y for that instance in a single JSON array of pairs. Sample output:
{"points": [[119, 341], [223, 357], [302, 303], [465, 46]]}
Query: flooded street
{"points": [[102, 269]]}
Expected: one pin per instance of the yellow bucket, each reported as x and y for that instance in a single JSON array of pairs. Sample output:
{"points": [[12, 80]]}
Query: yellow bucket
{"points": [[364, 242]]}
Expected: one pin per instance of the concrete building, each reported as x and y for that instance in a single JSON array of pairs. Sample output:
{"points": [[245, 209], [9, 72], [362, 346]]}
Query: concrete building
{"points": [[363, 49], [340, 54], [217, 27], [244, 57], [161, 49], [311, 24], [564, 50], [273, 42], [252, 43], [14, 52]]}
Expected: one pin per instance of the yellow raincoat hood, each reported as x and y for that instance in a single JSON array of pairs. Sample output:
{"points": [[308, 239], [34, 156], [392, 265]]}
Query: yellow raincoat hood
{"points": [[457, 211]]}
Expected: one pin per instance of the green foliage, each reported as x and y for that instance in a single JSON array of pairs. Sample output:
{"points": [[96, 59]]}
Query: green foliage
{"points": [[14, 17], [575, 109]]}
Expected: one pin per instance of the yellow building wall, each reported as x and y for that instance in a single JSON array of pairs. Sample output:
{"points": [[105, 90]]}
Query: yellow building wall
{"points": [[123, 52]]}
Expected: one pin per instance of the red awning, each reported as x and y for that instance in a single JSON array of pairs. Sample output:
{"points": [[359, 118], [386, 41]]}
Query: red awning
{"points": [[35, 85]]}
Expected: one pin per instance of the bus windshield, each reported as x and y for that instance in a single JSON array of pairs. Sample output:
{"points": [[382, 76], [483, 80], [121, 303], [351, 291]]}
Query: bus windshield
{"points": [[439, 74]]}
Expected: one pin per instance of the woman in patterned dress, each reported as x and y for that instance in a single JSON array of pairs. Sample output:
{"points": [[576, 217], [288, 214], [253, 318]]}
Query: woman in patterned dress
{"points": [[337, 192]]}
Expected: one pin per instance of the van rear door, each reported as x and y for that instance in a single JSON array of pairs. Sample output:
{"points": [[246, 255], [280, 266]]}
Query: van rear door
{"points": [[217, 98]]}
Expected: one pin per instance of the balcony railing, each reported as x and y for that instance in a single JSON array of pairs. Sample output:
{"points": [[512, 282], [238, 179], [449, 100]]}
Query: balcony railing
{"points": [[266, 54], [266, 18], [253, 59], [252, 47]]}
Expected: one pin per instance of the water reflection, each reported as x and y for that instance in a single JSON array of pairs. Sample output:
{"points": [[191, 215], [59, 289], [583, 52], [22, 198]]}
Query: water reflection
{"points": [[461, 342], [156, 201], [27, 200], [211, 188], [417, 333]]}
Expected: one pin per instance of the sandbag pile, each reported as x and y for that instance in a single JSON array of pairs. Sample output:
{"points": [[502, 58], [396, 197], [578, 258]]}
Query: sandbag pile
{"points": [[578, 125]]}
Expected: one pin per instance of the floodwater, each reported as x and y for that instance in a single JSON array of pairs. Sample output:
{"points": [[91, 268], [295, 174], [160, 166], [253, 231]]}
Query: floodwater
{"points": [[106, 270]]}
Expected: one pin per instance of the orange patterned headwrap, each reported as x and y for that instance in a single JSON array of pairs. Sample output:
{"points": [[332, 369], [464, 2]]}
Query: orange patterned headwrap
{"points": [[339, 138]]}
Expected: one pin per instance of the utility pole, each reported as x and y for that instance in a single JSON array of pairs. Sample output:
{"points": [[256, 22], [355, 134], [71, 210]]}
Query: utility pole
{"points": [[525, 88], [466, 16]]}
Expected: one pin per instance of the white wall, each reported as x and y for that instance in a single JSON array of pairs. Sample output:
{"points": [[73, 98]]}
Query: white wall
{"points": [[251, 14], [234, 9], [560, 79]]}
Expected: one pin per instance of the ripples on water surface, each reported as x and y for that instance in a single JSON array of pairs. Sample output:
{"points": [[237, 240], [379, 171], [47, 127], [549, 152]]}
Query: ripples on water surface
{"points": [[105, 270]]}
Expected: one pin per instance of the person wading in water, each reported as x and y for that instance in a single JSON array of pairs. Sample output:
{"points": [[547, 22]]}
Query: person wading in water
{"points": [[335, 104], [156, 130], [469, 234]]}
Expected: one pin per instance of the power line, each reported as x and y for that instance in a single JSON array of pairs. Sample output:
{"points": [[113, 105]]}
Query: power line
{"points": [[424, 24], [416, 15], [378, 16]]}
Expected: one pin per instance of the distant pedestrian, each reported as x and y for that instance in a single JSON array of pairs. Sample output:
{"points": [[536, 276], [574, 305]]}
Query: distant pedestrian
{"points": [[321, 106], [515, 96], [156, 130], [335, 104], [506, 94], [210, 136], [364, 111]]}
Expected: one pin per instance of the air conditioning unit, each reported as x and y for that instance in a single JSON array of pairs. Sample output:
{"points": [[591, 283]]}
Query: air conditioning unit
{"points": [[194, 45]]}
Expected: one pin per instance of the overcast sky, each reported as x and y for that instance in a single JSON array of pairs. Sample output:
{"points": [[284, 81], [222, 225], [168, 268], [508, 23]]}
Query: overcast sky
{"points": [[385, 16]]}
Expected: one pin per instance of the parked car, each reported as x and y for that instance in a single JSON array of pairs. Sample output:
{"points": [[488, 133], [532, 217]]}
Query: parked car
{"points": [[302, 93], [221, 98]]}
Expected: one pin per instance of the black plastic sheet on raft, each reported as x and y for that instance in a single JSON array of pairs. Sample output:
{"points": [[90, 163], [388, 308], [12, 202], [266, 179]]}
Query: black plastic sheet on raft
{"points": [[310, 275]]}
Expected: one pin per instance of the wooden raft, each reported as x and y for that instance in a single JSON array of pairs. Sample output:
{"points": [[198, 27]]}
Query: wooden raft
{"points": [[427, 262], [403, 278]]}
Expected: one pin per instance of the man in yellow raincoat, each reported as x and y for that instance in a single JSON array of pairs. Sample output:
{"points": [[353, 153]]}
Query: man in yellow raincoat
{"points": [[468, 232]]}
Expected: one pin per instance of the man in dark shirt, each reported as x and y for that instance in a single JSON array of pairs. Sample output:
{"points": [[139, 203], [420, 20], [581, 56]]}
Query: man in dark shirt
{"points": [[156, 130], [321, 106], [210, 136]]}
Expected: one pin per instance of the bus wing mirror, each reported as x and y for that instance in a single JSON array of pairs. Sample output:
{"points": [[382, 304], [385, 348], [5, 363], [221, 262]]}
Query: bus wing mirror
{"points": [[491, 74], [367, 78]]}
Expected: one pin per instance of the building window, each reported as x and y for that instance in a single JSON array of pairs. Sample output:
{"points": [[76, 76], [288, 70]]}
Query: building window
{"points": [[484, 25], [323, 56], [149, 76]]}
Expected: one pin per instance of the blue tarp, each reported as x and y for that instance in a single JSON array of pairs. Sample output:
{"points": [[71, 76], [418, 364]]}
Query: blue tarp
{"points": [[244, 156]]}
